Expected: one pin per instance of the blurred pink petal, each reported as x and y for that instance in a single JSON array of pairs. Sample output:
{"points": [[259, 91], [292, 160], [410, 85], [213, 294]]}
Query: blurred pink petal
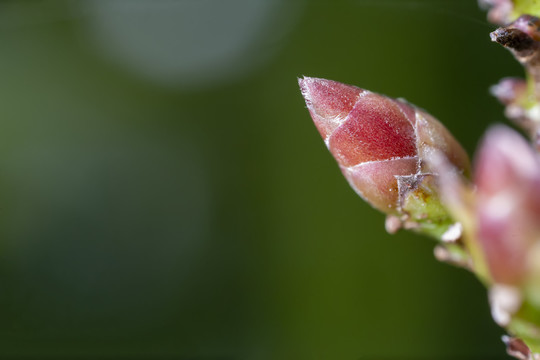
{"points": [[507, 175]]}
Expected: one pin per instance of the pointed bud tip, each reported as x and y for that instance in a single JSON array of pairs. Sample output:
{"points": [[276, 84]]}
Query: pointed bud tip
{"points": [[494, 35], [309, 86], [329, 102], [304, 88], [327, 97]]}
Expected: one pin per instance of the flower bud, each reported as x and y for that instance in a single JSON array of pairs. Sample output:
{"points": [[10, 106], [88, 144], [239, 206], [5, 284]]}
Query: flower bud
{"points": [[522, 38], [380, 144], [517, 348], [510, 91], [499, 10], [528, 24], [507, 176], [521, 107]]}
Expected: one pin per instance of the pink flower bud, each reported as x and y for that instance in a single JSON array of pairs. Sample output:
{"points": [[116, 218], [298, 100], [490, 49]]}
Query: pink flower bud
{"points": [[510, 90], [380, 144], [514, 94], [499, 10], [507, 175]]}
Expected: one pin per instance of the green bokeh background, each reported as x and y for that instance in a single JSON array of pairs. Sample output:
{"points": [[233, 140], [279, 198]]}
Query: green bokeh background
{"points": [[203, 219]]}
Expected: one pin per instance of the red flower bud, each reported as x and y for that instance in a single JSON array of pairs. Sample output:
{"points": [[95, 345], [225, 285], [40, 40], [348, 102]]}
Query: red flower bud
{"points": [[380, 144]]}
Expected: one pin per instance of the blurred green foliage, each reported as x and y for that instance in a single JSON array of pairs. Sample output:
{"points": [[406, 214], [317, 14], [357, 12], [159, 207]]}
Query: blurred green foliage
{"points": [[521, 7], [146, 218]]}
